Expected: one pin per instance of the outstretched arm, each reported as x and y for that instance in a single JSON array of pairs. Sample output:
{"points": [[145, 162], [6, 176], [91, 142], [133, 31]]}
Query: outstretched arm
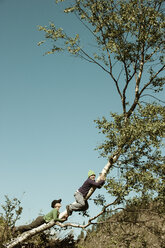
{"points": [[55, 216], [96, 184]]}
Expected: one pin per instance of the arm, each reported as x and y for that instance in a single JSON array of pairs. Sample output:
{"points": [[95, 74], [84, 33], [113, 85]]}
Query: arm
{"points": [[55, 216], [96, 184]]}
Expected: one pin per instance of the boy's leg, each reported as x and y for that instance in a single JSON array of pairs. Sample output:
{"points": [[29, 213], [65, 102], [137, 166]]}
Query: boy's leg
{"points": [[79, 204], [37, 222], [85, 207]]}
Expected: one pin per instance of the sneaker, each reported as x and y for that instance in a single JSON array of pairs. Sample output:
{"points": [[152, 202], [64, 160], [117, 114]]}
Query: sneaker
{"points": [[69, 212]]}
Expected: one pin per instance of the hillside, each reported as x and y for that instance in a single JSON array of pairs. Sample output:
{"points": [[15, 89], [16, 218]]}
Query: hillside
{"points": [[141, 225]]}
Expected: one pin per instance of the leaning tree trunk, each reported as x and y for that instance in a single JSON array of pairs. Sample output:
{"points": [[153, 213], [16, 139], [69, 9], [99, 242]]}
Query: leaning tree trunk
{"points": [[103, 174], [24, 236]]}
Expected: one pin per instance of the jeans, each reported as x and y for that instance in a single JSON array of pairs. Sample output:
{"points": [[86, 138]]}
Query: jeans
{"points": [[80, 205]]}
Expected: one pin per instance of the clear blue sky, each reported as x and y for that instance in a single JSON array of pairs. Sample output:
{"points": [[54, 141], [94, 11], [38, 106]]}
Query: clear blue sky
{"points": [[47, 108]]}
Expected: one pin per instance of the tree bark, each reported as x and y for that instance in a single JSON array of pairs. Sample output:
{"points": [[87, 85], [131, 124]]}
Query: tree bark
{"points": [[104, 172], [28, 234]]}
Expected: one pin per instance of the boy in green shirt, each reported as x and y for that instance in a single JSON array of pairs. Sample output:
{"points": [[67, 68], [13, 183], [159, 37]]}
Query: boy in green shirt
{"points": [[52, 215]]}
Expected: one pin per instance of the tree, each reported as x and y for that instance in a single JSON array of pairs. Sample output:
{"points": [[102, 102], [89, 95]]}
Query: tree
{"points": [[11, 213], [128, 35]]}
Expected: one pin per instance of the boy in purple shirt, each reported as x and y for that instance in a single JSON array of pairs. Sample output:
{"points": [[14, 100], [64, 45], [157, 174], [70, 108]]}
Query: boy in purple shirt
{"points": [[81, 204]]}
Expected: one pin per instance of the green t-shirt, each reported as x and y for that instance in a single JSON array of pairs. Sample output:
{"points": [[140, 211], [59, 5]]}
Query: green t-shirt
{"points": [[52, 215]]}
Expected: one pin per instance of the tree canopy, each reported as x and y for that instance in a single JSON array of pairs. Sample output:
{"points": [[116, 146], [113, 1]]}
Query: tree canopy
{"points": [[128, 36]]}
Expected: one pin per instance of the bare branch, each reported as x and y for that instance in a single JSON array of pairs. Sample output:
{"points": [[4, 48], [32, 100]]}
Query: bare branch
{"points": [[153, 97], [146, 85], [91, 219], [94, 61]]}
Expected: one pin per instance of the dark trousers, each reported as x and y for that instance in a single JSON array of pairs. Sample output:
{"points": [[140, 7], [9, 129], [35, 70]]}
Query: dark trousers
{"points": [[37, 222]]}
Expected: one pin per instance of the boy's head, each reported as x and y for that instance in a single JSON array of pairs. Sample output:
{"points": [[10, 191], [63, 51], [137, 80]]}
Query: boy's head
{"points": [[91, 174], [56, 203]]}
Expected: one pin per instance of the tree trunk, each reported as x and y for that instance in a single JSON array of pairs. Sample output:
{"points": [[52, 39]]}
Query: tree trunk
{"points": [[103, 173], [28, 234]]}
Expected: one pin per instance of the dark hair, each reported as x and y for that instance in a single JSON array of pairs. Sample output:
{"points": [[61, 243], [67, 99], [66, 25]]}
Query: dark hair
{"points": [[54, 202]]}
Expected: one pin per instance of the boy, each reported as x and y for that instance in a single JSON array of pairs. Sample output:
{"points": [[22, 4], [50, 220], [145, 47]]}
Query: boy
{"points": [[81, 204], [52, 215]]}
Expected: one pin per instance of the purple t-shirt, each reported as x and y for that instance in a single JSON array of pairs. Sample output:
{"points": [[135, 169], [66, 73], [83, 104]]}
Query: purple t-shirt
{"points": [[89, 184]]}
